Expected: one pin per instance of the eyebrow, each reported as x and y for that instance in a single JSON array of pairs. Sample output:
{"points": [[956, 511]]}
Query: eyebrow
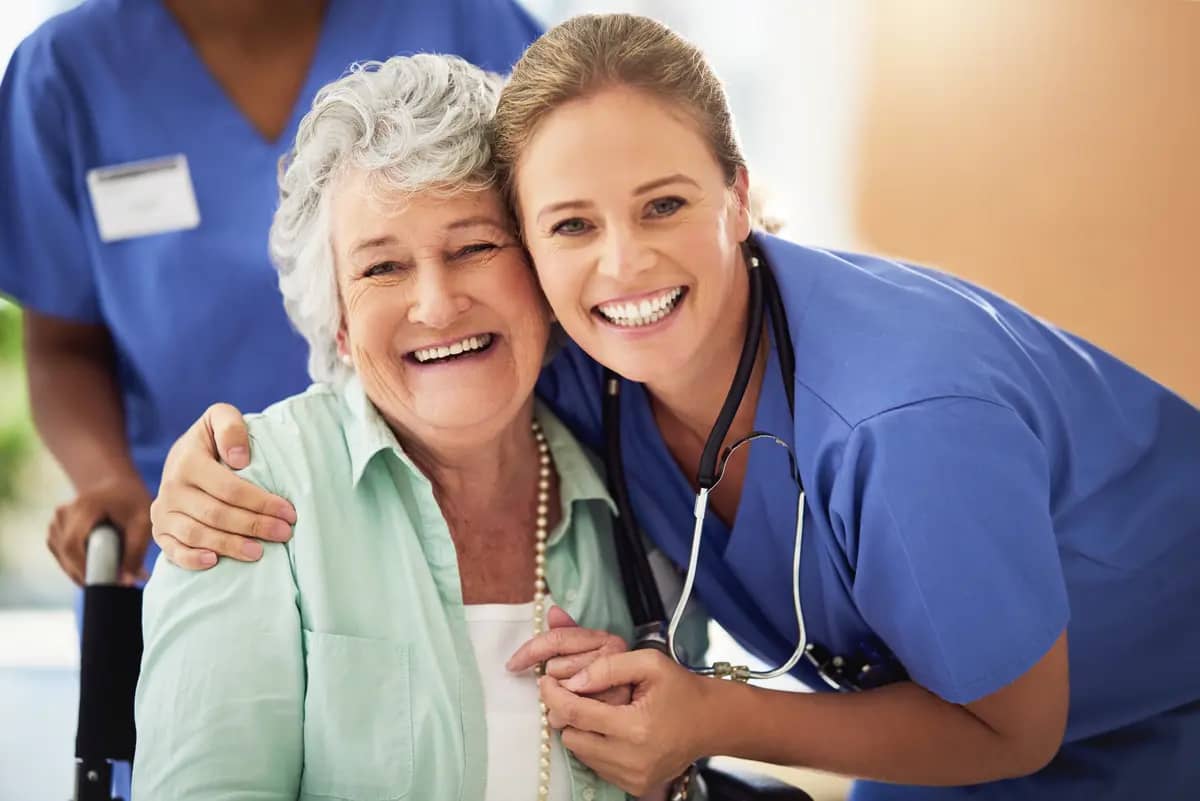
{"points": [[371, 244], [388, 240], [479, 219], [677, 178], [649, 186]]}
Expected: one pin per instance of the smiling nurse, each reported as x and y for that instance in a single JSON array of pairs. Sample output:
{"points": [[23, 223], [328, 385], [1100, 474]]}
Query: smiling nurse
{"points": [[999, 513]]}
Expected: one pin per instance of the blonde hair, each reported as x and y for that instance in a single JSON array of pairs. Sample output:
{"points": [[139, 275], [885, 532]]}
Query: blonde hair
{"points": [[592, 52]]}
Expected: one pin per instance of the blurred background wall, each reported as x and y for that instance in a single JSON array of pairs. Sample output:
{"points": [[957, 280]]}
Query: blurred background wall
{"points": [[1043, 149], [1048, 151]]}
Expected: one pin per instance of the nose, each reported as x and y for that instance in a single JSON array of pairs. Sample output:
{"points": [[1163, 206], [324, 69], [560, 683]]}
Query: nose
{"points": [[624, 254], [437, 303]]}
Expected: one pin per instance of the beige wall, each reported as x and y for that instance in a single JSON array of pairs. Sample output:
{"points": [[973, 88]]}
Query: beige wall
{"points": [[1047, 149]]}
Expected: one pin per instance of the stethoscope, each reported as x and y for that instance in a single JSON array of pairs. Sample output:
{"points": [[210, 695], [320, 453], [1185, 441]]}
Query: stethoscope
{"points": [[645, 603]]}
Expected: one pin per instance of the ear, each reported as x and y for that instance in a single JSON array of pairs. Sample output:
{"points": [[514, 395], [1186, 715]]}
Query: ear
{"points": [[743, 222], [343, 343]]}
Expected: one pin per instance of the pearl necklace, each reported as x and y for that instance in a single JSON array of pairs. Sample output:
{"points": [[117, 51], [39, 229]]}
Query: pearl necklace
{"points": [[539, 597]]}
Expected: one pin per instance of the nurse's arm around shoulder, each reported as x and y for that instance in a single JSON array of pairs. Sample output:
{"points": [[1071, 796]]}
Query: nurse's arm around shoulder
{"points": [[220, 700], [203, 509], [942, 509]]}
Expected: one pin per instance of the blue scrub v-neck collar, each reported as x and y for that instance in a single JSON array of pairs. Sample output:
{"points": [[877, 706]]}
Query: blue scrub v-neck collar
{"points": [[770, 416], [184, 60]]}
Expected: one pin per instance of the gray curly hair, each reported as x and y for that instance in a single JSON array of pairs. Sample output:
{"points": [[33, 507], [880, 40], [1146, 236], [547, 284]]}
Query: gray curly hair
{"points": [[412, 124]]}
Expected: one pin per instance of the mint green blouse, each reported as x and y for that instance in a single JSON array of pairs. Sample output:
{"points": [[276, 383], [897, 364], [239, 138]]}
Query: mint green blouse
{"points": [[339, 666]]}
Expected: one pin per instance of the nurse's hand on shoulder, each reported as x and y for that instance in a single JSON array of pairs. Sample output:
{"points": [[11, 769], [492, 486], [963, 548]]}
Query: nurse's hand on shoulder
{"points": [[651, 740], [203, 510], [567, 648], [123, 502]]}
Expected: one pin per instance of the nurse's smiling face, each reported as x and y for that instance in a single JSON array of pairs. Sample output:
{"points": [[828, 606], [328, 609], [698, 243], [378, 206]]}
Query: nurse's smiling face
{"points": [[441, 313], [634, 231]]}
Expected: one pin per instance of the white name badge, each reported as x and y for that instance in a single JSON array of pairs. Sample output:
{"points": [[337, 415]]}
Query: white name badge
{"points": [[143, 198]]}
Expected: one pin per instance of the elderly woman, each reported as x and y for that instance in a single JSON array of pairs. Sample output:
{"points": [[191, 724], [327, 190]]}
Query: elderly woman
{"points": [[439, 508]]}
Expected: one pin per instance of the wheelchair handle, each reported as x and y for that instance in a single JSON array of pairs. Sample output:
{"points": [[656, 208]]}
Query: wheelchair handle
{"points": [[103, 556]]}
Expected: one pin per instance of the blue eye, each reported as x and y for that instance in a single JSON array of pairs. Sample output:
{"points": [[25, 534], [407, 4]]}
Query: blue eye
{"points": [[665, 206], [571, 227]]}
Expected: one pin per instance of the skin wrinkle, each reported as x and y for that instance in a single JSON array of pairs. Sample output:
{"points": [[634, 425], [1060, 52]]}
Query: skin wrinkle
{"points": [[377, 377], [430, 269]]}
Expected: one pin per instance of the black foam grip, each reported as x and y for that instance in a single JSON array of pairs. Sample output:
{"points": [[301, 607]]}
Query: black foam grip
{"points": [[110, 656]]}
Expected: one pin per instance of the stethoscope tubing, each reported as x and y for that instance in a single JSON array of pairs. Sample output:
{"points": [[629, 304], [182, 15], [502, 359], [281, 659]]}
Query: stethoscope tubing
{"points": [[645, 602]]}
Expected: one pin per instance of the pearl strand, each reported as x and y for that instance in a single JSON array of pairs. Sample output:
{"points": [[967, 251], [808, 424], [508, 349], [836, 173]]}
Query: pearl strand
{"points": [[539, 597]]}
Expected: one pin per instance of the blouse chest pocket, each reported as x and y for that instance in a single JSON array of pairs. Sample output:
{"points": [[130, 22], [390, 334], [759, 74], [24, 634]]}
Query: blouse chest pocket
{"points": [[358, 741]]}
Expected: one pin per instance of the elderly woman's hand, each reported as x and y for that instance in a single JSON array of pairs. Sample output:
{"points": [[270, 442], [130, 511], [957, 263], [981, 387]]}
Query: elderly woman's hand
{"points": [[203, 510], [667, 726], [567, 648]]}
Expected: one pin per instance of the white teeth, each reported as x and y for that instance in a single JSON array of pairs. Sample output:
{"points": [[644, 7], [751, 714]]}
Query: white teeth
{"points": [[466, 345], [645, 312]]}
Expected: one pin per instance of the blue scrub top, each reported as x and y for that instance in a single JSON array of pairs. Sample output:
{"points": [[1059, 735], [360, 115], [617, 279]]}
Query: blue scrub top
{"points": [[196, 315], [977, 481]]}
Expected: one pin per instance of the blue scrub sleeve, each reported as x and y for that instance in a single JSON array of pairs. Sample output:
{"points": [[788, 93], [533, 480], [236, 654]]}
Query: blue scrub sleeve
{"points": [[572, 385], [498, 32], [945, 510], [44, 260]]}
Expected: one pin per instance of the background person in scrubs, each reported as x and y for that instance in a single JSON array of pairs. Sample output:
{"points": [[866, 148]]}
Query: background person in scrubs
{"points": [[138, 149], [139, 142], [999, 514]]}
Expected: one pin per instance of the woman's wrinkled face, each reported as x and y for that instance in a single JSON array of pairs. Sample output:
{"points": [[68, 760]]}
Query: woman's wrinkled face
{"points": [[633, 229], [442, 315]]}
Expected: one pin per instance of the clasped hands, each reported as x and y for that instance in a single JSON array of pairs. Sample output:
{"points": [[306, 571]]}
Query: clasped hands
{"points": [[634, 717]]}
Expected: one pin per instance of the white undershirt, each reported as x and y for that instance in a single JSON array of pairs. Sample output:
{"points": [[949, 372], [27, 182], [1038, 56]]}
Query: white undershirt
{"points": [[510, 702]]}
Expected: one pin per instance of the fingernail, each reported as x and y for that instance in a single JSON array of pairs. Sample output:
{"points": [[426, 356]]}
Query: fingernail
{"points": [[239, 457], [252, 549], [285, 511], [576, 682], [208, 559]]}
